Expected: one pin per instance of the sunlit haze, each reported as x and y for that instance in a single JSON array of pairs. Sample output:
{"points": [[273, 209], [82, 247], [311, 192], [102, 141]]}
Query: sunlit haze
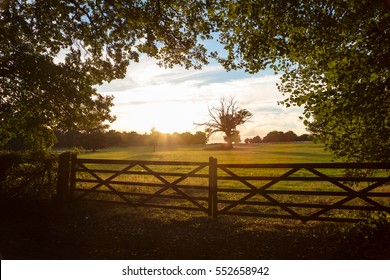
{"points": [[171, 100]]}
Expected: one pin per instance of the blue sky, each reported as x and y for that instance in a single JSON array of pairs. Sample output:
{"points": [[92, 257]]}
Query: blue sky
{"points": [[171, 100]]}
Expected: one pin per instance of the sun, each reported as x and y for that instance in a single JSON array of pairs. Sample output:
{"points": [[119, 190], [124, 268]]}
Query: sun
{"points": [[165, 117], [170, 118]]}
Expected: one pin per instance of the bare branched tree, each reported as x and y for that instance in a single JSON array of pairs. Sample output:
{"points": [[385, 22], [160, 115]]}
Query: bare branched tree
{"points": [[225, 119]]}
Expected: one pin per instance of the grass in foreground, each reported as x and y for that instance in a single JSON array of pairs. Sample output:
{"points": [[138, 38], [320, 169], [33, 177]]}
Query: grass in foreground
{"points": [[96, 231]]}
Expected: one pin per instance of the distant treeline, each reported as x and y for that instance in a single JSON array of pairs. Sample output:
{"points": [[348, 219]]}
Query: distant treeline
{"points": [[94, 140], [100, 139], [103, 139], [278, 136]]}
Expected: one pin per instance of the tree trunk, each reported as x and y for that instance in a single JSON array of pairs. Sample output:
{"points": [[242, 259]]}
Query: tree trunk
{"points": [[229, 143]]}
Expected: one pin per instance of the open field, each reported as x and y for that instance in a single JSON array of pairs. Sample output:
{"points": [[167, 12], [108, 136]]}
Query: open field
{"points": [[90, 230], [288, 192], [254, 153]]}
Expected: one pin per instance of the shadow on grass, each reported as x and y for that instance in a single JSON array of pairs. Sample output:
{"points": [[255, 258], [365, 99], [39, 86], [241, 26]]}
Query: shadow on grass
{"points": [[106, 232]]}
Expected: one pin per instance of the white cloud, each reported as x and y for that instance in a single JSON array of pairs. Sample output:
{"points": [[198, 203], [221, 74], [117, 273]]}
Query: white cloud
{"points": [[173, 99]]}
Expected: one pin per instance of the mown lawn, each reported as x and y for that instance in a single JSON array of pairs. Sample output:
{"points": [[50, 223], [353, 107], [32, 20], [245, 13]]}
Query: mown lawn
{"points": [[254, 153]]}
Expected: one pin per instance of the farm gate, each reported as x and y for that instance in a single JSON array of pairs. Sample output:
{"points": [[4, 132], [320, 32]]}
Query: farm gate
{"points": [[302, 191]]}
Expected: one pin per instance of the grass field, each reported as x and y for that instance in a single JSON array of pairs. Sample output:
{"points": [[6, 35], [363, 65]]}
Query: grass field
{"points": [[90, 230], [256, 153], [140, 184]]}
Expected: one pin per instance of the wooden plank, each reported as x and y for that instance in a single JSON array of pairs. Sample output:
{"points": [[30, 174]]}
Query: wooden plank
{"points": [[142, 184], [144, 173], [161, 196], [172, 207], [140, 162], [173, 185], [237, 178], [375, 185], [311, 165], [285, 192], [331, 180], [309, 193], [105, 182], [304, 219], [304, 178], [260, 190], [302, 205]]}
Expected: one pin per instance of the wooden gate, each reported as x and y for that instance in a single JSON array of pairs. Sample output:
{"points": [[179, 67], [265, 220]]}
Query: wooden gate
{"points": [[158, 184], [312, 191], [317, 191]]}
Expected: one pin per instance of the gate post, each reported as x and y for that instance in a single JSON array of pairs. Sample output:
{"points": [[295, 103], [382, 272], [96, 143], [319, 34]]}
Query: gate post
{"points": [[64, 173], [213, 199], [72, 184]]}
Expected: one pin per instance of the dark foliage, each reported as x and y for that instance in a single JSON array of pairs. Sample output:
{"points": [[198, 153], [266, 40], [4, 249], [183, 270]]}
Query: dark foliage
{"points": [[28, 177], [31, 231], [278, 136], [94, 140]]}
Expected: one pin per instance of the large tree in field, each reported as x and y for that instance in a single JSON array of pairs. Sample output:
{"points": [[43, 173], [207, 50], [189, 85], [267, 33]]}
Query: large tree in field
{"points": [[54, 53], [225, 119], [334, 56]]}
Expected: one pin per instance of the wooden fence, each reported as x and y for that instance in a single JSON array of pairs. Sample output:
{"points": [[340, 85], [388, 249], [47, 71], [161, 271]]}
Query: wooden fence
{"points": [[313, 191]]}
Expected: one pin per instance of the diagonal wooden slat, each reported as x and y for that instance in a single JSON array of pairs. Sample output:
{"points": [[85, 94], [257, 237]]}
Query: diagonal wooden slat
{"points": [[260, 190], [341, 202], [331, 180], [105, 182], [172, 185], [238, 178], [345, 193], [350, 195], [373, 186], [380, 182]]}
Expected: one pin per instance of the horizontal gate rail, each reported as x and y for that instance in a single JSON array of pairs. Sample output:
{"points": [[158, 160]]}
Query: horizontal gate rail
{"points": [[259, 191], [300, 191], [333, 165]]}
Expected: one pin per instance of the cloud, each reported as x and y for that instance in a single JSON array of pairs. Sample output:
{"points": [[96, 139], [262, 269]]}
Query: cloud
{"points": [[173, 99]]}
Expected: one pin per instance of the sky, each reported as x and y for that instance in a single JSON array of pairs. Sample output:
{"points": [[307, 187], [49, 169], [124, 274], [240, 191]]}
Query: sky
{"points": [[172, 100]]}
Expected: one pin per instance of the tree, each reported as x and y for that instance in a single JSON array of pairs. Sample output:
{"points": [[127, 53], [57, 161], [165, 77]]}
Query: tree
{"points": [[256, 139], [274, 136], [154, 137], [334, 56], [94, 139], [225, 119], [199, 138], [235, 138], [290, 136], [304, 137], [53, 53]]}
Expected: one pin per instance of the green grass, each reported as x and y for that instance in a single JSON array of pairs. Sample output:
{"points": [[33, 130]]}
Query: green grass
{"points": [[242, 154], [246, 154]]}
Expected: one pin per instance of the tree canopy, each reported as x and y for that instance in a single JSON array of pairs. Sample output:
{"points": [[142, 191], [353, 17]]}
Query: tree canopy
{"points": [[334, 56], [53, 53]]}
